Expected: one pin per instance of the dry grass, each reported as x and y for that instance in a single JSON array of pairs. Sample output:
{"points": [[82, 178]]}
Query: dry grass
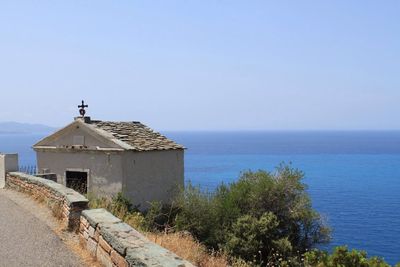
{"points": [[37, 196], [83, 254], [189, 249], [56, 208], [71, 240]]}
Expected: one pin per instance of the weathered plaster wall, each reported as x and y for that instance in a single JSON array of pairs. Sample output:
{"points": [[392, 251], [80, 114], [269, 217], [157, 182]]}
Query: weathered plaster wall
{"points": [[105, 169], [153, 175], [141, 176]]}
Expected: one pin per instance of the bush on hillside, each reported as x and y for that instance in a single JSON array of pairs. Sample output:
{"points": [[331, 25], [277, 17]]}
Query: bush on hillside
{"points": [[342, 256], [121, 207], [260, 215]]}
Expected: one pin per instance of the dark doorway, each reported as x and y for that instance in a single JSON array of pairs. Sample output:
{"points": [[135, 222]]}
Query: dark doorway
{"points": [[77, 181]]}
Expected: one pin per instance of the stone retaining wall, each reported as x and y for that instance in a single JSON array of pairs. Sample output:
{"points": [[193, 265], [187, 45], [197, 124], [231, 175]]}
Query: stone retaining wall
{"points": [[114, 243], [65, 202], [111, 241]]}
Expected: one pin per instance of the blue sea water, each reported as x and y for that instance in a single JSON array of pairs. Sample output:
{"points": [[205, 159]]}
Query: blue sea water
{"points": [[353, 177]]}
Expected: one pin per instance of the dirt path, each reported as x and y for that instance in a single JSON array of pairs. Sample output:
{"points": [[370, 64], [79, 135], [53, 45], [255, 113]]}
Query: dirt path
{"points": [[30, 236]]}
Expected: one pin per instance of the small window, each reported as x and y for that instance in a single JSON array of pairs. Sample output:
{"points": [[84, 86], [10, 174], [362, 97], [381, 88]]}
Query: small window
{"points": [[77, 181]]}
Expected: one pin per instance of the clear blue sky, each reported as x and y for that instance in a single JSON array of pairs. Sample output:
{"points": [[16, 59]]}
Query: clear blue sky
{"points": [[203, 65]]}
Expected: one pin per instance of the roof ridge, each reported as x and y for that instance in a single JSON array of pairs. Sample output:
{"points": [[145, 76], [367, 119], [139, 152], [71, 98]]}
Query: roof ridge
{"points": [[115, 121]]}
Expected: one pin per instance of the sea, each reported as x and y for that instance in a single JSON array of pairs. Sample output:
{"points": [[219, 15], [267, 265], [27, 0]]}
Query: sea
{"points": [[353, 177]]}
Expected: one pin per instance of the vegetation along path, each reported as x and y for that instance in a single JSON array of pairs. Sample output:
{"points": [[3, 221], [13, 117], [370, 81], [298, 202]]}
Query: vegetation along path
{"points": [[28, 236]]}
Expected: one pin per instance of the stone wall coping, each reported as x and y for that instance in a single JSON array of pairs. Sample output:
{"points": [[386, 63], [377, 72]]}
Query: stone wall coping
{"points": [[129, 243], [97, 216], [71, 196]]}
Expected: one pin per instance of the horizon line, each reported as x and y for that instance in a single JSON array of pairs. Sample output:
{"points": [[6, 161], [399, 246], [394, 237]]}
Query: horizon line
{"points": [[241, 130]]}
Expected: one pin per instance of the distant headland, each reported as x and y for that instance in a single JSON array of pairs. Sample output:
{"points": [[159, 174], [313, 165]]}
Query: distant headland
{"points": [[11, 127]]}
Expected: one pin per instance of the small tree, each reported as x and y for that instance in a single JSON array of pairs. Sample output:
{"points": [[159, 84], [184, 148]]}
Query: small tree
{"points": [[260, 215]]}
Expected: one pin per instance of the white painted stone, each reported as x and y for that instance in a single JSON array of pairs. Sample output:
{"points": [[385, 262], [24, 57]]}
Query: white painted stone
{"points": [[8, 163]]}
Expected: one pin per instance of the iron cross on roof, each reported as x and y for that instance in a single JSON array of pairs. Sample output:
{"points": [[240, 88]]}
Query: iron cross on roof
{"points": [[82, 107]]}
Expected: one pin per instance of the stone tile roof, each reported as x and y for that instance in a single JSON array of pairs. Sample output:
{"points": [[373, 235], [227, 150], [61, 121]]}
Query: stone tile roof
{"points": [[137, 135]]}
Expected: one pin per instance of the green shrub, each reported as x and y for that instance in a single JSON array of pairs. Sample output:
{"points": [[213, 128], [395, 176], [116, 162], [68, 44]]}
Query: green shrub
{"points": [[342, 257], [119, 206], [160, 217], [260, 214], [136, 220]]}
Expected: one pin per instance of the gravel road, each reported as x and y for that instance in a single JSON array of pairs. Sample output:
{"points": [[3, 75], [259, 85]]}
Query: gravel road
{"points": [[26, 239]]}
